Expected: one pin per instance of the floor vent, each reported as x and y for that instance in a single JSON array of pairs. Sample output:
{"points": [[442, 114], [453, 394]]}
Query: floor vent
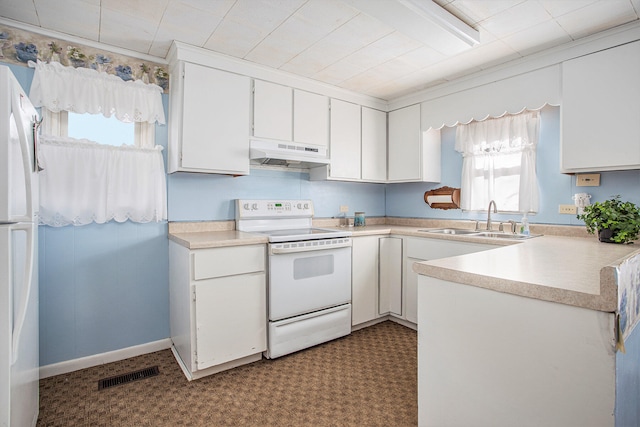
{"points": [[127, 378]]}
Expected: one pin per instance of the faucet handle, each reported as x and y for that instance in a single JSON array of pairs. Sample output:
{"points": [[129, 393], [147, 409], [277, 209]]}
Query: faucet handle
{"points": [[476, 227], [514, 226]]}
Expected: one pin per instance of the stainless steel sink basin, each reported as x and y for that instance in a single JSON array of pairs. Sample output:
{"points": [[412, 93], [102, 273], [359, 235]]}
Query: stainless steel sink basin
{"points": [[479, 233], [458, 231]]}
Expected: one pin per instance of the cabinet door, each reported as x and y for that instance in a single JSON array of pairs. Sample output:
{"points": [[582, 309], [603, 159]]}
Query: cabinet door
{"points": [[345, 140], [390, 283], [214, 128], [600, 111], [364, 279], [272, 111], [374, 145], [411, 291], [417, 250], [310, 118], [230, 318], [405, 155]]}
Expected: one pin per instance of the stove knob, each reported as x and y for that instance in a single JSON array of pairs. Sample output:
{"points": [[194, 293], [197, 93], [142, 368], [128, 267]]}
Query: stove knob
{"points": [[299, 206], [246, 206], [306, 205], [254, 207]]}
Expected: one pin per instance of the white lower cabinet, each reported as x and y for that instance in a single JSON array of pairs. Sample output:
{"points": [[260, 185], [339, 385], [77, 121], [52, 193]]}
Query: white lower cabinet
{"points": [[420, 249], [376, 277], [364, 279], [390, 282], [218, 306]]}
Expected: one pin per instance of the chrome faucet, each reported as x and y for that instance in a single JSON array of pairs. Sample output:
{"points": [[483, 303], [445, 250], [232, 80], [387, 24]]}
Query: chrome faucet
{"points": [[495, 210]]}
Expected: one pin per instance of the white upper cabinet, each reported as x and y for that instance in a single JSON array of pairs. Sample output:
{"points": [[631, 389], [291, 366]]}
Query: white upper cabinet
{"points": [[414, 155], [272, 111], [600, 113], [209, 123], [374, 145], [358, 144], [310, 118], [345, 140], [286, 114]]}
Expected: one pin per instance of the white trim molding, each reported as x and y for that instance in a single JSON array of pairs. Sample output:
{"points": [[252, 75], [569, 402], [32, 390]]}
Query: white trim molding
{"points": [[103, 358]]}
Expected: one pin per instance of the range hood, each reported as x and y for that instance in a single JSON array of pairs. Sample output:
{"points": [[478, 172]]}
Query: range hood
{"points": [[291, 154]]}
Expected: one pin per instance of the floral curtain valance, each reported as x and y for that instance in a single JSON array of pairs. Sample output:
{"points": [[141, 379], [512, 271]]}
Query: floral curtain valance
{"points": [[83, 90], [83, 182]]}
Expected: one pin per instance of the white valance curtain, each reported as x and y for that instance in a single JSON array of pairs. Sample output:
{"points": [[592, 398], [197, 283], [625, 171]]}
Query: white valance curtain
{"points": [[84, 182], [83, 90], [499, 157]]}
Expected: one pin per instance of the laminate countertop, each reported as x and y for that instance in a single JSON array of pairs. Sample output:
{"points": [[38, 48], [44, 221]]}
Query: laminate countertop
{"points": [[578, 271], [216, 239], [569, 270]]}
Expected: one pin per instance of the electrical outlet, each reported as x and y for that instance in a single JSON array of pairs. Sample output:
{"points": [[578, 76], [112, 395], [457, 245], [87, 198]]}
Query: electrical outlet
{"points": [[568, 209], [588, 180], [344, 208]]}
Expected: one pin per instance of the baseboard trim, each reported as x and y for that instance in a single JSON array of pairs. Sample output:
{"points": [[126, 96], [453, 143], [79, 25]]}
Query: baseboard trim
{"points": [[369, 323], [403, 322], [102, 358], [384, 318]]}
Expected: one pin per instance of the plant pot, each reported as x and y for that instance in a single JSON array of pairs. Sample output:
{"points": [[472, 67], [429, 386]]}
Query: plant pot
{"points": [[605, 235]]}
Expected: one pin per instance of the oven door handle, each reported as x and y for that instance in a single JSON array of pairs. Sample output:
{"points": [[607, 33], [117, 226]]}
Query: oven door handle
{"points": [[294, 248]]}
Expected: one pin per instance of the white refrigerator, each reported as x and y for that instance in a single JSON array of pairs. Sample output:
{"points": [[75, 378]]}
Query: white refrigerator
{"points": [[19, 359]]}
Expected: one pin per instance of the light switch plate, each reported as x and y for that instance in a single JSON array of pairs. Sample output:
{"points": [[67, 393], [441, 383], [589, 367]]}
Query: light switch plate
{"points": [[588, 180], [568, 209], [344, 208]]}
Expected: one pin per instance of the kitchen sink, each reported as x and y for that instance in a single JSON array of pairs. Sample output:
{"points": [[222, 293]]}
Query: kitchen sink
{"points": [[458, 231], [479, 233]]}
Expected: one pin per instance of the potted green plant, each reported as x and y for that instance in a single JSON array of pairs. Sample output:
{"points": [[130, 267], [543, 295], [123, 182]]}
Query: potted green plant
{"points": [[614, 220]]}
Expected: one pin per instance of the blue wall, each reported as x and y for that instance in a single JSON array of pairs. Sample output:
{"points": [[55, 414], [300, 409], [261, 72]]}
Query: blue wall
{"points": [[198, 197], [103, 287], [406, 200], [628, 382]]}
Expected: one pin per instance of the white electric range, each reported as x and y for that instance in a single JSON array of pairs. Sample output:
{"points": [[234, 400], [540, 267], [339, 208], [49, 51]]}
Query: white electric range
{"points": [[309, 278]]}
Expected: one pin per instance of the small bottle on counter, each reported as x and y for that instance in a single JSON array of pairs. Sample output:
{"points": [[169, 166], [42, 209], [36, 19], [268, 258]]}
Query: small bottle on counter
{"points": [[524, 227], [359, 220]]}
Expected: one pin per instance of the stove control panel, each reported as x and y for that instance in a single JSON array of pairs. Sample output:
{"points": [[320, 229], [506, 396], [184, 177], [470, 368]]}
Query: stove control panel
{"points": [[254, 208]]}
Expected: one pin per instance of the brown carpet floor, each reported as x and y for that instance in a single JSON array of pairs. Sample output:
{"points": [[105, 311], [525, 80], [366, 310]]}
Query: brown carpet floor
{"points": [[368, 378]]}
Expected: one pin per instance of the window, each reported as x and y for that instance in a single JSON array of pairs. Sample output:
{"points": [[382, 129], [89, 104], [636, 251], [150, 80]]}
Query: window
{"points": [[98, 128], [499, 163]]}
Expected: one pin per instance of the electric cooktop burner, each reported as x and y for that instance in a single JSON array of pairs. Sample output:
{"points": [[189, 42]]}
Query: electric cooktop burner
{"points": [[290, 235]]}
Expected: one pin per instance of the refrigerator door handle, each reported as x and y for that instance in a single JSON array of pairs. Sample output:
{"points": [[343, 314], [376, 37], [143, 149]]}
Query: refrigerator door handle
{"points": [[36, 160], [21, 309], [26, 153]]}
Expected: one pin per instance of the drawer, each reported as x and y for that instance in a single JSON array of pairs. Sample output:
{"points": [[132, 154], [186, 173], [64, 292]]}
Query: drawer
{"points": [[228, 261]]}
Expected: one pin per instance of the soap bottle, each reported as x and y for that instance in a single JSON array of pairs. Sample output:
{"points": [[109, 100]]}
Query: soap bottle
{"points": [[524, 226]]}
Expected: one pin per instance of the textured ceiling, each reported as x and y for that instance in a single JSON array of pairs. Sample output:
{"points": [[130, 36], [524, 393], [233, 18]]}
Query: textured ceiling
{"points": [[331, 41]]}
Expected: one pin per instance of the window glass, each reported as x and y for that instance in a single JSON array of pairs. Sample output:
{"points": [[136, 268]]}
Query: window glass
{"points": [[499, 163], [98, 128]]}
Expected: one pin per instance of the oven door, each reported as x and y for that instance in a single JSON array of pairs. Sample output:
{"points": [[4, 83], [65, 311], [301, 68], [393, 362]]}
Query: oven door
{"points": [[308, 276]]}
